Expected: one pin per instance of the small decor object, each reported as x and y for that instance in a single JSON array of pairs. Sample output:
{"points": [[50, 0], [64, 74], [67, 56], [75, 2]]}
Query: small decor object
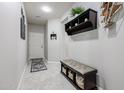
{"points": [[38, 64], [109, 9], [69, 27], [76, 24], [77, 10], [86, 20], [22, 25], [53, 36]]}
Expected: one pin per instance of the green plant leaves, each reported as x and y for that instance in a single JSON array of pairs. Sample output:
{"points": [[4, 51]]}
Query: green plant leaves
{"points": [[77, 10]]}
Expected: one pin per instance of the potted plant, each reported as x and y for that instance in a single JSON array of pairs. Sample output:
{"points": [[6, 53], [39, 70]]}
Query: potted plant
{"points": [[77, 10]]}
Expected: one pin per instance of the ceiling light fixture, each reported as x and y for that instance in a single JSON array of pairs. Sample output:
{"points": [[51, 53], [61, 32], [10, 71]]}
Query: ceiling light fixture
{"points": [[46, 9]]}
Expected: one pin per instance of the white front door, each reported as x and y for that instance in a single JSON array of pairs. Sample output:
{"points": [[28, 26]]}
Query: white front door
{"points": [[36, 45]]}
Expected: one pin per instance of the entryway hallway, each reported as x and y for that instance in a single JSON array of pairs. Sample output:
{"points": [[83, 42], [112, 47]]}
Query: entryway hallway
{"points": [[50, 79]]}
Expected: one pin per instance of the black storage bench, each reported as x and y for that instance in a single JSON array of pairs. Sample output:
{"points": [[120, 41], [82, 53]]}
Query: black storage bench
{"points": [[83, 77]]}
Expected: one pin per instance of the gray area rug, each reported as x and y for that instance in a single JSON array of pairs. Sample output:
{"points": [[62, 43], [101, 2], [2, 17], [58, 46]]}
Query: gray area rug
{"points": [[37, 64]]}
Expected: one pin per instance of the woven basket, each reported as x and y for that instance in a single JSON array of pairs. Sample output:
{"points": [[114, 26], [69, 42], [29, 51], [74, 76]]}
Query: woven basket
{"points": [[70, 74], [80, 81], [63, 70]]}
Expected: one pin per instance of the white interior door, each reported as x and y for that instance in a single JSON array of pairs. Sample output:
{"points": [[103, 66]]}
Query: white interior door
{"points": [[36, 45]]}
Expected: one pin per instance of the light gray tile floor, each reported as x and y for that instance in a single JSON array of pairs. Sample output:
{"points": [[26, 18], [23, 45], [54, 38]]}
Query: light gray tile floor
{"points": [[50, 79]]}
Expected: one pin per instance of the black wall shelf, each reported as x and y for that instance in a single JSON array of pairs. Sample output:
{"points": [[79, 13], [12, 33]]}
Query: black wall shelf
{"points": [[86, 21]]}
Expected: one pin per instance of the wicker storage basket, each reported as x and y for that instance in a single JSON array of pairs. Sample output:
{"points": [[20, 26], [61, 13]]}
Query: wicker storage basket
{"points": [[63, 70], [80, 81], [70, 74]]}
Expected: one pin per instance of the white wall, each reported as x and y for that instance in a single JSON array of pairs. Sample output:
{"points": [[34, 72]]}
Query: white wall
{"points": [[54, 25], [13, 50], [22, 46], [101, 49], [33, 30]]}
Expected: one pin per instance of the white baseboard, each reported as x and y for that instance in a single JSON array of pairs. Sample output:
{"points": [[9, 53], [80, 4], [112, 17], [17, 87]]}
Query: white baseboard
{"points": [[20, 81]]}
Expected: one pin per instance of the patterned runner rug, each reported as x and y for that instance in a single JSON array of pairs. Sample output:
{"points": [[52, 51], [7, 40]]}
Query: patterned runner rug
{"points": [[37, 64]]}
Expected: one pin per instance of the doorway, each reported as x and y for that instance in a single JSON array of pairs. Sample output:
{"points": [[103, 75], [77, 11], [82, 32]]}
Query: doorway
{"points": [[36, 41]]}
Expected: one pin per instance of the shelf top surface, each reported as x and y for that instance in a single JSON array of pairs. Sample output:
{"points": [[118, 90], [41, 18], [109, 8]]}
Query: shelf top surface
{"points": [[82, 14], [82, 68]]}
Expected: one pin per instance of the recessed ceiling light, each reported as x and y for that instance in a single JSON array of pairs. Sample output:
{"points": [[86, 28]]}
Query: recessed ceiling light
{"points": [[46, 9]]}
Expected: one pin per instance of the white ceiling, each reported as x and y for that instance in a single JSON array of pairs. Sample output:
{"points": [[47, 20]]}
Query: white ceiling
{"points": [[33, 10]]}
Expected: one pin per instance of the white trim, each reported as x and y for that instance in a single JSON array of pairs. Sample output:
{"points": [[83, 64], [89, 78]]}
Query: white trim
{"points": [[20, 81]]}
